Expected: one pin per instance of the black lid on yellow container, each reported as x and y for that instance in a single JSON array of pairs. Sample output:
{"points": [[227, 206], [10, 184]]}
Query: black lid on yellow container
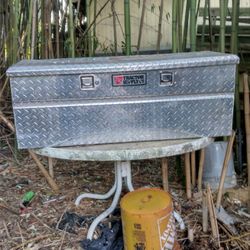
{"points": [[146, 201]]}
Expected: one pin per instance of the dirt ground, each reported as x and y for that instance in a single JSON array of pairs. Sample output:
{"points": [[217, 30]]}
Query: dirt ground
{"points": [[36, 227]]}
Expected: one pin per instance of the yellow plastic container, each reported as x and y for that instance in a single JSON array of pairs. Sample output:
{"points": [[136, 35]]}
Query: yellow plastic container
{"points": [[147, 220]]}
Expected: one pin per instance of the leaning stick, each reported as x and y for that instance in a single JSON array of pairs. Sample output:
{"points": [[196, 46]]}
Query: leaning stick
{"points": [[212, 214], [33, 155], [224, 169], [44, 171]]}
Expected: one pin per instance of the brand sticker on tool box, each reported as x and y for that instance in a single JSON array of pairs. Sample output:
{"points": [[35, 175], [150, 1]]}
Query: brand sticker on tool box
{"points": [[128, 79]]}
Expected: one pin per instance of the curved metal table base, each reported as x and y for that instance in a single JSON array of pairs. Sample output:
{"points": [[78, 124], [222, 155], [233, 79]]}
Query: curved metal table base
{"points": [[122, 172], [122, 154]]}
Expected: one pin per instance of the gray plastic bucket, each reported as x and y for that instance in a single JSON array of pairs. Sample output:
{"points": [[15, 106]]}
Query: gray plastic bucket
{"points": [[214, 158]]}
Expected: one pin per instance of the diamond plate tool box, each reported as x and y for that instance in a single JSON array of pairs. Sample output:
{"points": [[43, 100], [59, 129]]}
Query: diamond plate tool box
{"points": [[99, 100]]}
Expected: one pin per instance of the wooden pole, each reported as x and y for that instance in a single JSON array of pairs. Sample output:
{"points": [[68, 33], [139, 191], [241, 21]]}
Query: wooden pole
{"points": [[51, 169], [141, 26], [164, 167], [201, 166], [193, 168], [224, 169], [247, 122], [237, 105], [188, 175]]}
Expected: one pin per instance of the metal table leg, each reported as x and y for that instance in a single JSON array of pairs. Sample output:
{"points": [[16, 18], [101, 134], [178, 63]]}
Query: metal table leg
{"points": [[126, 174], [107, 212], [122, 171], [96, 196]]}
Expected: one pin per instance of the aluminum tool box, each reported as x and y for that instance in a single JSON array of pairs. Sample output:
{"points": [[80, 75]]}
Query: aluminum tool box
{"points": [[100, 100]]}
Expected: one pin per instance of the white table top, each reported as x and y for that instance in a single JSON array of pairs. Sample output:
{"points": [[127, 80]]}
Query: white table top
{"points": [[126, 151]]}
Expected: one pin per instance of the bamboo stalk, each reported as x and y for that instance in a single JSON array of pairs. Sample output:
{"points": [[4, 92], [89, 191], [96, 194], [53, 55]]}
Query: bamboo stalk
{"points": [[224, 169], [141, 26], [71, 30], [186, 22], [28, 30], [114, 25], [57, 29], [42, 23], [197, 11], [188, 175], [127, 27], [10, 33], [89, 35], [15, 31], [94, 27], [33, 35], [50, 47], [164, 167], [174, 26], [210, 25], [247, 122], [201, 166], [159, 27], [204, 23], [234, 34], [193, 168], [192, 25], [179, 22], [222, 25]]}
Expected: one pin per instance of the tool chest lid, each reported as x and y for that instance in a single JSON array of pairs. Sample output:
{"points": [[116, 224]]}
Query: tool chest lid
{"points": [[119, 63]]}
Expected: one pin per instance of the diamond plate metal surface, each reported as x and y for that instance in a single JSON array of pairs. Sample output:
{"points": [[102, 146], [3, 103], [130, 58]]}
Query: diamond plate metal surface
{"points": [[51, 109], [214, 79]]}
